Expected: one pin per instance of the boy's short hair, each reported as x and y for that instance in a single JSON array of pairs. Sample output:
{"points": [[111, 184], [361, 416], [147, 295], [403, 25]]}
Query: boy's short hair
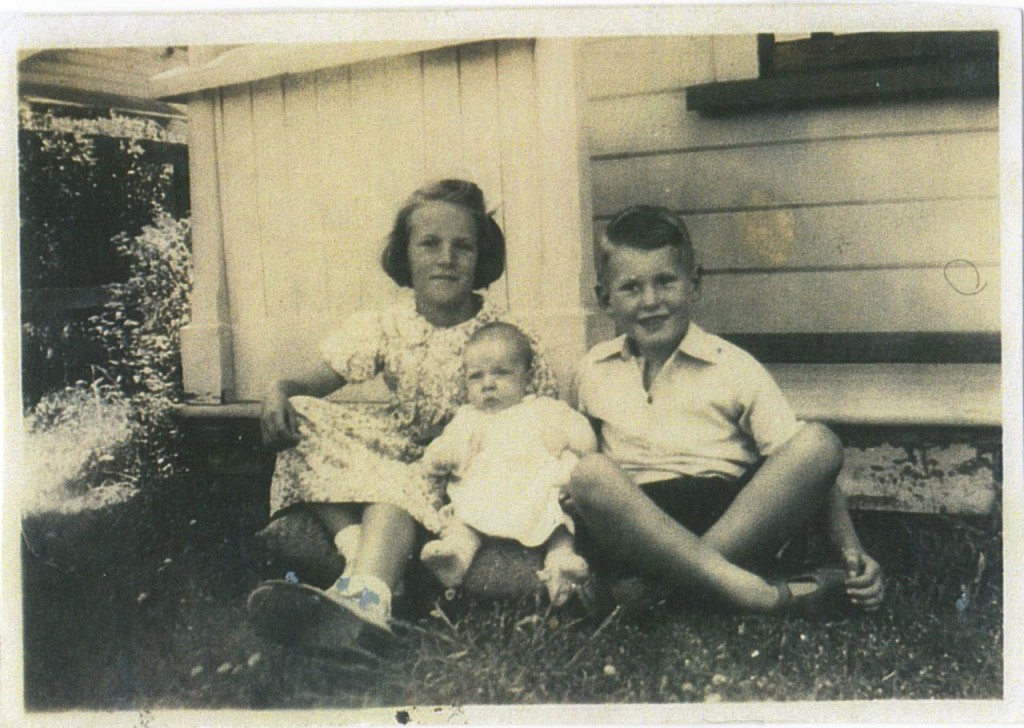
{"points": [[490, 241], [645, 227], [508, 334]]}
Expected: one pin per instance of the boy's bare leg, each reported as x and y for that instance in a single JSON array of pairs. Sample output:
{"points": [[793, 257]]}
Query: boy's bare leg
{"points": [[625, 522], [791, 486]]}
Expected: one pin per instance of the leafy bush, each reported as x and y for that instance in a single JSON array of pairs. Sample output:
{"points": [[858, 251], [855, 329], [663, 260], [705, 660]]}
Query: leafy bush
{"points": [[84, 180], [140, 326], [115, 433], [87, 179]]}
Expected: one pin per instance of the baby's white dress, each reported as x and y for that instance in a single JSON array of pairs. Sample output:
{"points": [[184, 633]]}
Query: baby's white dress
{"points": [[510, 466], [369, 453]]}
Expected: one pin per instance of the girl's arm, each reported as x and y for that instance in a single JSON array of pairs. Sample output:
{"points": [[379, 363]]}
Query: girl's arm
{"points": [[278, 419], [864, 575]]}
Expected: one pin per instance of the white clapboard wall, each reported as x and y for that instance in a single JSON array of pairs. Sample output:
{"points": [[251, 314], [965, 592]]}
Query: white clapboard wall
{"points": [[310, 169], [828, 220]]}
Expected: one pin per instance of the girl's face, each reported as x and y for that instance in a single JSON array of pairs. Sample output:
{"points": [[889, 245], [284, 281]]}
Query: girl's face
{"points": [[442, 254]]}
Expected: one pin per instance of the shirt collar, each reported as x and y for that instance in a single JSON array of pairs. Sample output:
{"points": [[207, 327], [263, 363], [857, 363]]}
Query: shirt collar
{"points": [[697, 343]]}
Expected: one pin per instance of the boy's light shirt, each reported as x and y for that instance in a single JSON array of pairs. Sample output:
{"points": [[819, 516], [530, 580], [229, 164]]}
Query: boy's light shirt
{"points": [[713, 410]]}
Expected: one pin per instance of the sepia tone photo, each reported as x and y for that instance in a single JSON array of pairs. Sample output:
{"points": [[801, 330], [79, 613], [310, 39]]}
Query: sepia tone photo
{"points": [[514, 366]]}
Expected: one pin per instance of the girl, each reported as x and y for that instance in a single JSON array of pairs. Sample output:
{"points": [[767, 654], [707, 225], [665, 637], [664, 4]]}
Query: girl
{"points": [[356, 467], [510, 453]]}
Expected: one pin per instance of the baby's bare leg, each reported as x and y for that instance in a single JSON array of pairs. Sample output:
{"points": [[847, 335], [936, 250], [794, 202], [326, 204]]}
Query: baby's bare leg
{"points": [[628, 525], [790, 487], [450, 556]]}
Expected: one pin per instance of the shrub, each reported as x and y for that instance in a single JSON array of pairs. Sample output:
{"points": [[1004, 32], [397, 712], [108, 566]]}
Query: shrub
{"points": [[140, 327], [115, 433]]}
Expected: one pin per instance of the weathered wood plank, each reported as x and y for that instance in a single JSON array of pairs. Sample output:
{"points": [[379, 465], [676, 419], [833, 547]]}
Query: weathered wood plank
{"points": [[633, 65], [517, 102], [243, 236], [442, 126], [894, 394], [864, 300], [304, 151], [922, 477], [337, 188], [478, 82], [373, 204], [481, 138], [897, 234], [248, 63], [660, 122], [282, 268], [206, 341], [874, 170]]}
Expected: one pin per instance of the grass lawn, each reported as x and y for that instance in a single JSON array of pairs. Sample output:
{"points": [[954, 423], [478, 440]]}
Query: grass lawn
{"points": [[155, 620]]}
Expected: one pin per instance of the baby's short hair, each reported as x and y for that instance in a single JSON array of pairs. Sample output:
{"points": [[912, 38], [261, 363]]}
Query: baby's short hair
{"points": [[507, 334], [645, 227]]}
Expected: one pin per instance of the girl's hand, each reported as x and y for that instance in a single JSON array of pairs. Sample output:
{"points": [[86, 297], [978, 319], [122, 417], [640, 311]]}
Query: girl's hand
{"points": [[278, 420], [864, 583]]}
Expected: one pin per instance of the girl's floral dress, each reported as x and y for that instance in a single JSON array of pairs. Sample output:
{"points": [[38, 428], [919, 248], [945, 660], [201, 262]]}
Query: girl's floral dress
{"points": [[369, 453]]}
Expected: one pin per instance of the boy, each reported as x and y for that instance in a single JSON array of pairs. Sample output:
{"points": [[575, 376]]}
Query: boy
{"points": [[703, 465]]}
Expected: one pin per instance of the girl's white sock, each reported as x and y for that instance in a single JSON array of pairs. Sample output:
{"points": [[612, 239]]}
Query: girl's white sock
{"points": [[347, 542], [371, 594]]}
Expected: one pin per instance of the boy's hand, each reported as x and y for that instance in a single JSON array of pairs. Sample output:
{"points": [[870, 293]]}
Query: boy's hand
{"points": [[864, 583]]}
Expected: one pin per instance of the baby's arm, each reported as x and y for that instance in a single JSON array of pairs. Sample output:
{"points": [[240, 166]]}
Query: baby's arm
{"points": [[450, 451], [864, 575], [582, 440]]}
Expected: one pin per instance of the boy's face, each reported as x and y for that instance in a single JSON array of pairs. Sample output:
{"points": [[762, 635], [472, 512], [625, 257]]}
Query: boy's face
{"points": [[496, 376], [650, 294]]}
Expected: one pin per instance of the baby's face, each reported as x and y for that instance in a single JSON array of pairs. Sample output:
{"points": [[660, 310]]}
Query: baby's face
{"points": [[496, 375]]}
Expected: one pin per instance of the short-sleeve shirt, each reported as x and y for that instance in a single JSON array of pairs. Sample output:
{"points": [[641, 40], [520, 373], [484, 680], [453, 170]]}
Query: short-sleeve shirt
{"points": [[712, 411]]}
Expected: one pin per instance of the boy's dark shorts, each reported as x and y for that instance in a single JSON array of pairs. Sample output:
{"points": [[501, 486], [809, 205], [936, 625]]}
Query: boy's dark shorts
{"points": [[695, 503]]}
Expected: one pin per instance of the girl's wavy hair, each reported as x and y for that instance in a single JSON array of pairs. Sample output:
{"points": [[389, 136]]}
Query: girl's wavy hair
{"points": [[490, 241]]}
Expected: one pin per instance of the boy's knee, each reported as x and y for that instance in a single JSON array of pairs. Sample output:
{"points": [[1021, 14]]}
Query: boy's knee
{"points": [[590, 477], [827, 446]]}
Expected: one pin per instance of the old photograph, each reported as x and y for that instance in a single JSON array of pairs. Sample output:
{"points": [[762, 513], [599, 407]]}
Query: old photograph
{"points": [[523, 365]]}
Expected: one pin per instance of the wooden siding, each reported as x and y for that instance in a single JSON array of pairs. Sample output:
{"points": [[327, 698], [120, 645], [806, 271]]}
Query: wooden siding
{"points": [[838, 220], [312, 167]]}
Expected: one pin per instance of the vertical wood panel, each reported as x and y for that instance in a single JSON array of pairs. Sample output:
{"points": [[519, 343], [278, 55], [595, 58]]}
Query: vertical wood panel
{"points": [[442, 125], [304, 152], [337, 189], [242, 237], [478, 93], [273, 175], [207, 366], [519, 170], [372, 209]]}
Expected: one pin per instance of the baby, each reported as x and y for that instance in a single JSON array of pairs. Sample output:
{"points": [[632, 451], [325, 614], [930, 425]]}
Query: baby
{"points": [[507, 454]]}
